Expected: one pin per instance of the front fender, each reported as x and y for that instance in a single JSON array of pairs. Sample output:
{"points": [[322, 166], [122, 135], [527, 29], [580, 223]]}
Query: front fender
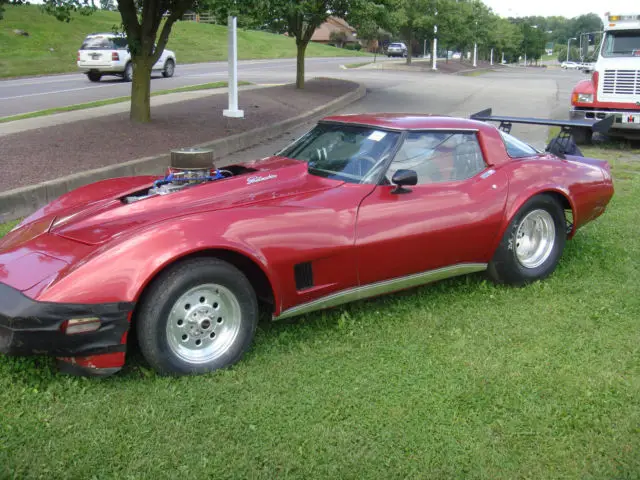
{"points": [[120, 270], [584, 87], [87, 194]]}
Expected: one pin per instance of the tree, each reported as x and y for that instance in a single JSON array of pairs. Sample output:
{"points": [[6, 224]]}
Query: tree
{"points": [[297, 18], [147, 24], [410, 18], [338, 37], [371, 21]]}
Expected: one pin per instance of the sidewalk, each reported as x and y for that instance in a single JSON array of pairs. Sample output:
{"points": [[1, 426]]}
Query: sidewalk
{"points": [[45, 148]]}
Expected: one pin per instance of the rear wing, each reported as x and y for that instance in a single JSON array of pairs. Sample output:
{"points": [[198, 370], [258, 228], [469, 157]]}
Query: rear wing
{"points": [[560, 145], [601, 126]]}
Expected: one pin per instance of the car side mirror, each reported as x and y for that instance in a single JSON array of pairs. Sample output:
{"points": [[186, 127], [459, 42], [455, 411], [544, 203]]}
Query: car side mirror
{"points": [[402, 178]]}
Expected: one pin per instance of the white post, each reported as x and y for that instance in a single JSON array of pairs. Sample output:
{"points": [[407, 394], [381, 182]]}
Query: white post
{"points": [[492, 56], [434, 54], [502, 58], [233, 111], [475, 54]]}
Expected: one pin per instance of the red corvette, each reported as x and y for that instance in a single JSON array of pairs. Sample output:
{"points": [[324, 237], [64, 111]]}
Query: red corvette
{"points": [[360, 206]]}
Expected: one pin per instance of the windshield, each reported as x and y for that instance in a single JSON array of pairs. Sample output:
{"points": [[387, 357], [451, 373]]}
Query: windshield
{"points": [[350, 153], [104, 43], [622, 44], [517, 148]]}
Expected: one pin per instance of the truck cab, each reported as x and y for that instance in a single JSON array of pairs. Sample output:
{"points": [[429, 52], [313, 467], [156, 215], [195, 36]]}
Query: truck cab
{"points": [[614, 86]]}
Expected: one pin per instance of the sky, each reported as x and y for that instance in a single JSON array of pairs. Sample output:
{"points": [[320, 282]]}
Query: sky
{"points": [[566, 8]]}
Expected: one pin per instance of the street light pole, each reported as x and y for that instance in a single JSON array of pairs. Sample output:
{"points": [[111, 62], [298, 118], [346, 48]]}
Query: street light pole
{"points": [[569, 46]]}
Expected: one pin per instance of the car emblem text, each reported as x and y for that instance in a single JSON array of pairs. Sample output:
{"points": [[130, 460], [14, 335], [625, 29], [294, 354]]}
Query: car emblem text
{"points": [[257, 179]]}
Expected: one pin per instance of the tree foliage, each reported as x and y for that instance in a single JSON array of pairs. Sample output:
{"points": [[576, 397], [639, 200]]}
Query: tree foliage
{"points": [[9, 2]]}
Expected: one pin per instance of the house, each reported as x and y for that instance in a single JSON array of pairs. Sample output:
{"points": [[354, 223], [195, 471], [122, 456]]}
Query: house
{"points": [[335, 31]]}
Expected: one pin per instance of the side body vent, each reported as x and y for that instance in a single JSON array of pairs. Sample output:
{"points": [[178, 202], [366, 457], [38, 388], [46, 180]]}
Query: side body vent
{"points": [[304, 275]]}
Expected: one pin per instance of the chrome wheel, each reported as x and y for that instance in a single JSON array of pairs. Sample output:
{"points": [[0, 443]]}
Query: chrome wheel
{"points": [[535, 238], [203, 323]]}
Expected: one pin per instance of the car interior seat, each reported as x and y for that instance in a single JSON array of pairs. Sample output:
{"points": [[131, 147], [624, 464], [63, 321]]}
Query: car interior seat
{"points": [[467, 160]]}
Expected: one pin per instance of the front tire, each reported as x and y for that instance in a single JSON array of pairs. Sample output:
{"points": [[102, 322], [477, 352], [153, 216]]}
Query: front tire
{"points": [[197, 317], [169, 68], [532, 244]]}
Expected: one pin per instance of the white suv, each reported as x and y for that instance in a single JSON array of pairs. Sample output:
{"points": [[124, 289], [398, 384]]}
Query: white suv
{"points": [[108, 54]]}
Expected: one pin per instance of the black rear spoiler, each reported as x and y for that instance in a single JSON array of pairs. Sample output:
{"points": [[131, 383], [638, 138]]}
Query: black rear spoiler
{"points": [[601, 126], [561, 144]]}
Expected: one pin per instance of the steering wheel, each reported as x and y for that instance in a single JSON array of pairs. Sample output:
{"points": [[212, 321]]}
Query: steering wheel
{"points": [[362, 164]]}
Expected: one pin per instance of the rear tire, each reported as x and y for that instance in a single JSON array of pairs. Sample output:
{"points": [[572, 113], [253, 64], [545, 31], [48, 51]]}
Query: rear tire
{"points": [[532, 244], [198, 316], [127, 75], [94, 76], [582, 136], [169, 68]]}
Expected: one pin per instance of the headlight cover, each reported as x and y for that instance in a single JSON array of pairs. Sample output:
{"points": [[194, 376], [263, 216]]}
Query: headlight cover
{"points": [[585, 98]]}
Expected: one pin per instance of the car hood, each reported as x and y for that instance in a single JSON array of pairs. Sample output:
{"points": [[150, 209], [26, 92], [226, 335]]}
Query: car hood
{"points": [[98, 221]]}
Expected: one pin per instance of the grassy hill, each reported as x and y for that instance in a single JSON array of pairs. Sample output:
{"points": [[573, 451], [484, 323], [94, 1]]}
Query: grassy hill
{"points": [[51, 46]]}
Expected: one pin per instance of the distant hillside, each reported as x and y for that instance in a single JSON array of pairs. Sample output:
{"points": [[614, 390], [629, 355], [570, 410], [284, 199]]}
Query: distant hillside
{"points": [[51, 46]]}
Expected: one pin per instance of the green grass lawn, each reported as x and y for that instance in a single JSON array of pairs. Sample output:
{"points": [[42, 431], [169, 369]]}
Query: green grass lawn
{"points": [[461, 379], [192, 42]]}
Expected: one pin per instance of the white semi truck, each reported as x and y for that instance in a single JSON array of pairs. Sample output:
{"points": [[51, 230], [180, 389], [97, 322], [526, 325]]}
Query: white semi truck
{"points": [[614, 86]]}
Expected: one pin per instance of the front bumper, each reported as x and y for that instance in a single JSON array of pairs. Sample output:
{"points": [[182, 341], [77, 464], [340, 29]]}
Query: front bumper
{"points": [[28, 327], [594, 115]]}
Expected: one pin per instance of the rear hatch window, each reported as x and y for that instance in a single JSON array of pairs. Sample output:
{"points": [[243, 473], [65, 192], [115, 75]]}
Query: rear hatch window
{"points": [[103, 43]]}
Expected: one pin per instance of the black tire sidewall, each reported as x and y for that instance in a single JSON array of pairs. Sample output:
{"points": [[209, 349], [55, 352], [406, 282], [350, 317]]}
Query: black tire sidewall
{"points": [[125, 76], [154, 314], [165, 73], [505, 266]]}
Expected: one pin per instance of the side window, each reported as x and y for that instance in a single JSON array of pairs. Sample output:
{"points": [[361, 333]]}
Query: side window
{"points": [[120, 43], [439, 156], [516, 148]]}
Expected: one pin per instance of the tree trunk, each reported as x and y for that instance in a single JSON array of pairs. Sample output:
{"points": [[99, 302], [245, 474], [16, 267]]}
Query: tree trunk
{"points": [[409, 48], [302, 47], [141, 90]]}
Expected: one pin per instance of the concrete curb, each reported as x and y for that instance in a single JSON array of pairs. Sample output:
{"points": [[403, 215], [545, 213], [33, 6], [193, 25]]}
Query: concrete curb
{"points": [[20, 202]]}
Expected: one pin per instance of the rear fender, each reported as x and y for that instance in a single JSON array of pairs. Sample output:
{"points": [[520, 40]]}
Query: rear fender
{"points": [[512, 209]]}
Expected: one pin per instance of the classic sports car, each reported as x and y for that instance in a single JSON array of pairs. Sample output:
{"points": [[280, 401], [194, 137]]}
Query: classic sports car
{"points": [[360, 206]]}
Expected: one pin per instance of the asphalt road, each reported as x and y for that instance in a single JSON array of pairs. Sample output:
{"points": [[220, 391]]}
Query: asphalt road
{"points": [[39, 93]]}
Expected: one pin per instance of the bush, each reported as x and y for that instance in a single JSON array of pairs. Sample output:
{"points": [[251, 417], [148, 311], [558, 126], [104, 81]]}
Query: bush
{"points": [[353, 46]]}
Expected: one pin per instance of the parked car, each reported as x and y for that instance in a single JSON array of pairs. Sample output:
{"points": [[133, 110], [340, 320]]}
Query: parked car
{"points": [[587, 67], [569, 65], [397, 49], [108, 54], [360, 206]]}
